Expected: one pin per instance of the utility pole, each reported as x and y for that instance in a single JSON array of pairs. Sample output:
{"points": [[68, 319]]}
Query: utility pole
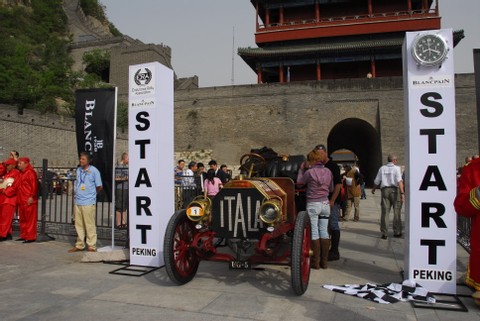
{"points": [[233, 55]]}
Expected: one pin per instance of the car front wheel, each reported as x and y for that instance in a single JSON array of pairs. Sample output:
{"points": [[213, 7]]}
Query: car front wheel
{"points": [[181, 261], [300, 264]]}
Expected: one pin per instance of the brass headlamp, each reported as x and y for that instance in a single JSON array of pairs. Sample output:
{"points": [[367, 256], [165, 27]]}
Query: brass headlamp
{"points": [[199, 209], [271, 210]]}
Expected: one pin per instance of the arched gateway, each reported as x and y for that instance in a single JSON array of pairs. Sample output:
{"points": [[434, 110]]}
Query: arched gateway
{"points": [[362, 139]]}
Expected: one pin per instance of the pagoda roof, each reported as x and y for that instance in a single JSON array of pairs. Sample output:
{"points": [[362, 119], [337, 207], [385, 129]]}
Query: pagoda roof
{"points": [[394, 42]]}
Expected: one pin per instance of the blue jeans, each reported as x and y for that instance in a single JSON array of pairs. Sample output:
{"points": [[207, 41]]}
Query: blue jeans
{"points": [[319, 213], [333, 220], [363, 196]]}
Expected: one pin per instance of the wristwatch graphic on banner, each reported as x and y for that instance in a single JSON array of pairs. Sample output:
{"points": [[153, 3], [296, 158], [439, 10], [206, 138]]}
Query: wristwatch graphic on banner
{"points": [[429, 49]]}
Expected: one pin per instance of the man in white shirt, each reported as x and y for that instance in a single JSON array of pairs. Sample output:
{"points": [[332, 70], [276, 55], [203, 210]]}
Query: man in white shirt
{"points": [[188, 183], [389, 179]]}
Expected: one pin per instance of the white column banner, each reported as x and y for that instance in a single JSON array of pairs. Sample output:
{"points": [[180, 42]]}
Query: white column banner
{"points": [[430, 256], [150, 144]]}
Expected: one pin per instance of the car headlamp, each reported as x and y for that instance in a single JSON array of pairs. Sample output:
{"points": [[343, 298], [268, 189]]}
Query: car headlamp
{"points": [[199, 209], [271, 210]]}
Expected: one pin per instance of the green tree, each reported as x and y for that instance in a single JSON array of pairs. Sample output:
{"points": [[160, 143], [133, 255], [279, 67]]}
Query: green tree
{"points": [[122, 115], [34, 58], [95, 9], [97, 62], [35, 63]]}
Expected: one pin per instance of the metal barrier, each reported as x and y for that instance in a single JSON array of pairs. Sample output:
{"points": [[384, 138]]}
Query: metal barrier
{"points": [[59, 206], [463, 232], [184, 195], [59, 213]]}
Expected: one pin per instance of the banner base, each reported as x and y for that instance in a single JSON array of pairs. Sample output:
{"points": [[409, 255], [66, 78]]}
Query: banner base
{"points": [[110, 248], [135, 270], [450, 302]]}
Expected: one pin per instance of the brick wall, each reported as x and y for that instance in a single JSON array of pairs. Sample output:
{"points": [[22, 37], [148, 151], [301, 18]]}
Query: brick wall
{"points": [[41, 137], [364, 115]]}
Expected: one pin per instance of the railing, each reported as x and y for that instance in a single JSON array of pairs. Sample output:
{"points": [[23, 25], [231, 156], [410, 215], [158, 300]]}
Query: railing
{"points": [[59, 214], [463, 232], [59, 211], [59, 206], [352, 18]]}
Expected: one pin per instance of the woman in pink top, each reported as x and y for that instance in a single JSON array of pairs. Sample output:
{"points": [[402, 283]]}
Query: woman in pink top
{"points": [[319, 182], [212, 184]]}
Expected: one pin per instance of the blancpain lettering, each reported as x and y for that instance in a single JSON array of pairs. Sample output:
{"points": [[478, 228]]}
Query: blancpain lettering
{"points": [[87, 125], [143, 103], [431, 82], [91, 144]]}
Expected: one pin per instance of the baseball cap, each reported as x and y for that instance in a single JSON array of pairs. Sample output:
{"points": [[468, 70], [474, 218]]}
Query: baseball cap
{"points": [[321, 147], [10, 161]]}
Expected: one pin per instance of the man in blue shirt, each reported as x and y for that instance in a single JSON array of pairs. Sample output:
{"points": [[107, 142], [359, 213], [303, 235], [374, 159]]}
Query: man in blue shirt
{"points": [[87, 185]]}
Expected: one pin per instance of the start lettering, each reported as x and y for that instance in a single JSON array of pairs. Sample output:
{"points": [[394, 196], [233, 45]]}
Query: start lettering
{"points": [[143, 203], [433, 176]]}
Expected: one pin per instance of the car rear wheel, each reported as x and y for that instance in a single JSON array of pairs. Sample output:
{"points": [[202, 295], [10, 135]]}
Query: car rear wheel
{"points": [[300, 265], [181, 261]]}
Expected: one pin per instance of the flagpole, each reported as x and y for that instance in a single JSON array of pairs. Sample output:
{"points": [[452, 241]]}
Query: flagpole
{"points": [[114, 188]]}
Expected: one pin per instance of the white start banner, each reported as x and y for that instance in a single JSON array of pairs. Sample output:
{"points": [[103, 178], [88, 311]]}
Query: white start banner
{"points": [[430, 181], [151, 150]]}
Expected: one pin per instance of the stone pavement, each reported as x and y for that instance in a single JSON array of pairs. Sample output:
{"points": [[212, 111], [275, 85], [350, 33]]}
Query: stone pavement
{"points": [[41, 281]]}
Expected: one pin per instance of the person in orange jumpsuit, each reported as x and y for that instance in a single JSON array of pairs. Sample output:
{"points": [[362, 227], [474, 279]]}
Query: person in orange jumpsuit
{"points": [[8, 202], [467, 204], [27, 200]]}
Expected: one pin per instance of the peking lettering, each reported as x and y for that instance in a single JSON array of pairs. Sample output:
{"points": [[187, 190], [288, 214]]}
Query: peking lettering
{"points": [[143, 179], [432, 212]]}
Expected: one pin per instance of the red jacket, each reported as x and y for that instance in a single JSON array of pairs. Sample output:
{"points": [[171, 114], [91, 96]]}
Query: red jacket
{"points": [[467, 183], [468, 204], [27, 186], [10, 191]]}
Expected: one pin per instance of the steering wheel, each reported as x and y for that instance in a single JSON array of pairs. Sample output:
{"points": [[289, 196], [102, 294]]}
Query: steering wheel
{"points": [[252, 163]]}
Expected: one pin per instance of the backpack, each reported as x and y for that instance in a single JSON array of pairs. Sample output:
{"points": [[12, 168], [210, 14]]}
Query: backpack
{"points": [[358, 178]]}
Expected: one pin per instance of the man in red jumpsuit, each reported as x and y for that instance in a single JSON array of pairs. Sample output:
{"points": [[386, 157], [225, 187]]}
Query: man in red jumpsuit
{"points": [[467, 204], [3, 171], [27, 201], [8, 201]]}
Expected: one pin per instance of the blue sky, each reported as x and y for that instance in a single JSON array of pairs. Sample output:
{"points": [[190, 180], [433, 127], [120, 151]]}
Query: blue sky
{"points": [[204, 35]]}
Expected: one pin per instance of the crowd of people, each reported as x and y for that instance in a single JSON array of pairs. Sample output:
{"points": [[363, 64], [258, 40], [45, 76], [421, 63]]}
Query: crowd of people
{"points": [[195, 180], [331, 192], [18, 190]]}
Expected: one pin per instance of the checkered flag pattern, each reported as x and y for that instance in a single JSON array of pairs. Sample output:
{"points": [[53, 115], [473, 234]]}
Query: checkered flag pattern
{"points": [[386, 293]]}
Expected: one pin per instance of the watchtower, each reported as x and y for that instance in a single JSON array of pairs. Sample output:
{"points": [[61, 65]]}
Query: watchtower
{"points": [[333, 39]]}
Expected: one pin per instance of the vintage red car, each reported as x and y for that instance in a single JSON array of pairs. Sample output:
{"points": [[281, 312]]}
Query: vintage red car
{"points": [[252, 220]]}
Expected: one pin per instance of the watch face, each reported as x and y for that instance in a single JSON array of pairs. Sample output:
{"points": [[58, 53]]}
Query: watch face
{"points": [[429, 50]]}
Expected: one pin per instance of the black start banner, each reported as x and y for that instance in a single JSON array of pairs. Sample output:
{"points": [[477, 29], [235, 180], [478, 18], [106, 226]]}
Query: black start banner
{"points": [[95, 128]]}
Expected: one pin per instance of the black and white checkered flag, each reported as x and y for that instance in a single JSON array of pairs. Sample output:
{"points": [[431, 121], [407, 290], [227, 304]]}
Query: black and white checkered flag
{"points": [[386, 293]]}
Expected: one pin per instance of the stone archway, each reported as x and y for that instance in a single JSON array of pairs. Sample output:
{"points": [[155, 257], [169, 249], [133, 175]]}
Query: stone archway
{"points": [[362, 139]]}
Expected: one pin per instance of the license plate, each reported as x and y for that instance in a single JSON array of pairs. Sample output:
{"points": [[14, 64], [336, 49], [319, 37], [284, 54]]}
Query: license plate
{"points": [[239, 265]]}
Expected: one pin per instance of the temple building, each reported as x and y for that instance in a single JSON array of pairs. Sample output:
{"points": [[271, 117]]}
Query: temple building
{"points": [[333, 39]]}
